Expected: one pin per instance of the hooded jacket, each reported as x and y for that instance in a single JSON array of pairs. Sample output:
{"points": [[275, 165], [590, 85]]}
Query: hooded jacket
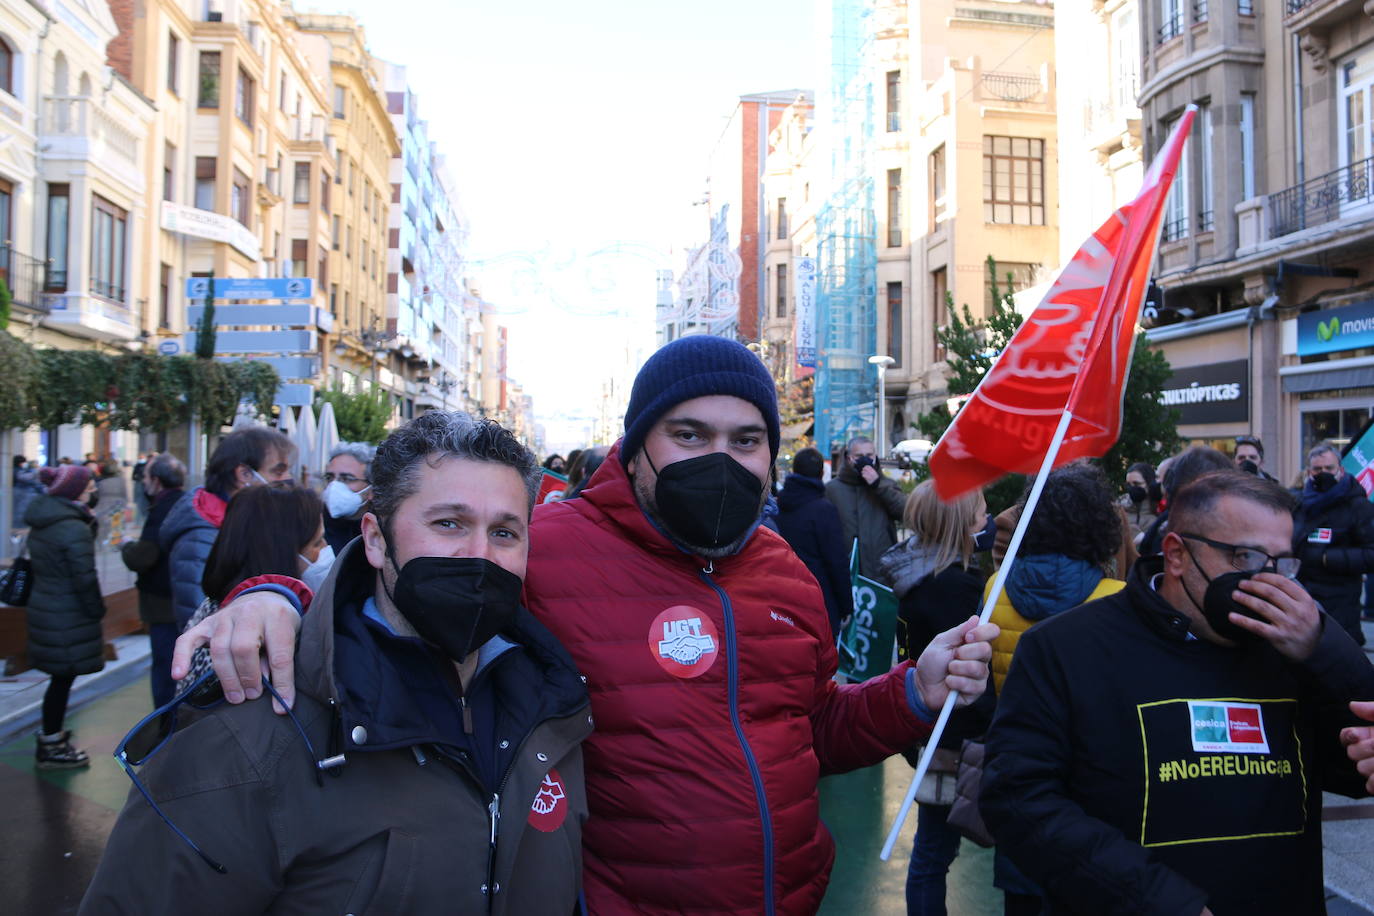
{"points": [[186, 536], [867, 513], [399, 820], [811, 525], [1038, 587], [65, 607], [1133, 769], [716, 711]]}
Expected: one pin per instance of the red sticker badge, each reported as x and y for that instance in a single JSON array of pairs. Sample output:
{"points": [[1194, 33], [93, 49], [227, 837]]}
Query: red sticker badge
{"points": [[684, 642], [550, 806]]}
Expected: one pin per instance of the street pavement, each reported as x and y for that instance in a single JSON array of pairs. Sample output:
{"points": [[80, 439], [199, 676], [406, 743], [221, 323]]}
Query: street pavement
{"points": [[55, 822]]}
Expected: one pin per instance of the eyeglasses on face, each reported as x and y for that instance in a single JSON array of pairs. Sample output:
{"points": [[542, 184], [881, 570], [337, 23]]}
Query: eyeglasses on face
{"points": [[1252, 559], [1248, 440], [153, 732]]}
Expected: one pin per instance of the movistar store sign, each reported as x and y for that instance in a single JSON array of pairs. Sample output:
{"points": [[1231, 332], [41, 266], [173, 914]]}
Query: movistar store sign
{"points": [[1333, 330]]}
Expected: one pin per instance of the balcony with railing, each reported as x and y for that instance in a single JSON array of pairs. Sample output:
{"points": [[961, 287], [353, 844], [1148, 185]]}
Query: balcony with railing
{"points": [[84, 130], [1343, 193], [1172, 26], [1012, 87], [25, 276]]}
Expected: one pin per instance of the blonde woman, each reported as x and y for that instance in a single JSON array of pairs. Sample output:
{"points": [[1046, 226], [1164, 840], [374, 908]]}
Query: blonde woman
{"points": [[938, 587]]}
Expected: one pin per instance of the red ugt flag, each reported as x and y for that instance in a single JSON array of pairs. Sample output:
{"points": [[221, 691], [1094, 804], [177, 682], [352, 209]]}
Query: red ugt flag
{"points": [[1072, 353]]}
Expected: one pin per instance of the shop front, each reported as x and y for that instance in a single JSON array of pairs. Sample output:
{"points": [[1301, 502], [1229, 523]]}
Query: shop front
{"points": [[1211, 385], [1331, 387]]}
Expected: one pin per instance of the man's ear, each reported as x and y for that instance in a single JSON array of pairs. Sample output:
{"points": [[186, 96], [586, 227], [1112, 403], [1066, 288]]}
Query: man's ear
{"points": [[1175, 554], [374, 542]]}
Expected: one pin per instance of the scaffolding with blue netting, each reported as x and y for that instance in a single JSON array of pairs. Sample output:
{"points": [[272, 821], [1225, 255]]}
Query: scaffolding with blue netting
{"points": [[846, 231]]}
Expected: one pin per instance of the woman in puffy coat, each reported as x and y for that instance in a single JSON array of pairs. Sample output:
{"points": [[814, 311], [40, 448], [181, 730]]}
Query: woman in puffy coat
{"points": [[65, 607], [938, 587], [1072, 540]]}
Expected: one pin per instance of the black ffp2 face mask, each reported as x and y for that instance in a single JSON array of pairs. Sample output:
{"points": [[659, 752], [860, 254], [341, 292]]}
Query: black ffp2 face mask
{"points": [[1217, 604], [707, 501], [457, 604]]}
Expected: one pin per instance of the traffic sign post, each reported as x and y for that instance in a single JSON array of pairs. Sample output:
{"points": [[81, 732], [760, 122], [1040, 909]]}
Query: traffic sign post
{"points": [[239, 288]]}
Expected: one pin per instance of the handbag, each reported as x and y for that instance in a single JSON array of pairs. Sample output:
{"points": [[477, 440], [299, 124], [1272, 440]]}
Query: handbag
{"points": [[938, 785], [17, 582], [964, 816]]}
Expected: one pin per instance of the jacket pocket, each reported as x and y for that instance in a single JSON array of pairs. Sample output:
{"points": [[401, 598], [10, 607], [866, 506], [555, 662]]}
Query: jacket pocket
{"points": [[387, 886]]}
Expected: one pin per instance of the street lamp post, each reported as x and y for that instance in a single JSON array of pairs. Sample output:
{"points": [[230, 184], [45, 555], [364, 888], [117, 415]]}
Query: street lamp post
{"points": [[882, 362]]}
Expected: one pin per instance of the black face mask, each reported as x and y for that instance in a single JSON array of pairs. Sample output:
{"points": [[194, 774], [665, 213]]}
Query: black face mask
{"points": [[1137, 494], [1217, 604], [1250, 467], [456, 603], [707, 501], [1323, 481]]}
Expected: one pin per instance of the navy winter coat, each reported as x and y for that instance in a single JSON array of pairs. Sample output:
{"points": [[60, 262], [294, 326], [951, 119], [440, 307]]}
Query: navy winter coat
{"points": [[186, 536], [65, 607], [811, 525]]}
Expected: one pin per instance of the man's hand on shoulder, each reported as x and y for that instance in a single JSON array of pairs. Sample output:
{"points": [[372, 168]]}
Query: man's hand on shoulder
{"points": [[1289, 618], [956, 660], [1359, 743], [239, 635]]}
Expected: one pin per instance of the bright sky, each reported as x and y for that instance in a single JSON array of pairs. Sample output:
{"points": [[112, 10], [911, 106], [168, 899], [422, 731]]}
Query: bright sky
{"points": [[579, 134]]}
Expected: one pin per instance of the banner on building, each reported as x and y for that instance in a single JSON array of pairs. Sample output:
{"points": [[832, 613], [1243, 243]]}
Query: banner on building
{"points": [[1358, 458], [868, 640], [804, 307]]}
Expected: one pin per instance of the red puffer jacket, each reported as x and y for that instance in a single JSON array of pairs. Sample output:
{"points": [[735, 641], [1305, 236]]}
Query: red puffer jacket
{"points": [[715, 709]]}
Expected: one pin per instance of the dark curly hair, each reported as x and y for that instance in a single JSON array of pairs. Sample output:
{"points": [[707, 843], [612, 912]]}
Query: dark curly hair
{"points": [[1076, 516]]}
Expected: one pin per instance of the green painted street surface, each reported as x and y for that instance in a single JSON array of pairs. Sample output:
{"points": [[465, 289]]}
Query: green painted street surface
{"points": [[858, 808]]}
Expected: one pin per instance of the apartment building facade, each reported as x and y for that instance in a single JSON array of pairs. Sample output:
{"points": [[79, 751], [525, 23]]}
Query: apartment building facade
{"points": [[981, 116], [72, 196], [1266, 250], [365, 347]]}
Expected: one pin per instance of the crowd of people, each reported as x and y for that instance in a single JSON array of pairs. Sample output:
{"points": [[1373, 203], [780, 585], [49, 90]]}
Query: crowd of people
{"points": [[427, 687]]}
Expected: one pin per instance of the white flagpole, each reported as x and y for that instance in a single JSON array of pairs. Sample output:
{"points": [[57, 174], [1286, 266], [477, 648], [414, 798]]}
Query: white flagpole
{"points": [[998, 583]]}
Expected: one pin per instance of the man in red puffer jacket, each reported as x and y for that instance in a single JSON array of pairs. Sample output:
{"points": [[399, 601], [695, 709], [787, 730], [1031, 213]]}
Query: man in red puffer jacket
{"points": [[707, 652]]}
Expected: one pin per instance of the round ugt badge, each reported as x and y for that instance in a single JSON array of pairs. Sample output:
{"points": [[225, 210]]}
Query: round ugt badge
{"points": [[684, 642], [550, 806]]}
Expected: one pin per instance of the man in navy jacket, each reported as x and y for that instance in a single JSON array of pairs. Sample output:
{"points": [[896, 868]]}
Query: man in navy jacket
{"points": [[811, 525]]}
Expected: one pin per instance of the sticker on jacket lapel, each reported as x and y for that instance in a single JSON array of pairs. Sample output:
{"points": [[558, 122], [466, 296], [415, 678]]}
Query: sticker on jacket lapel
{"points": [[1320, 536], [550, 806], [1234, 727], [684, 642]]}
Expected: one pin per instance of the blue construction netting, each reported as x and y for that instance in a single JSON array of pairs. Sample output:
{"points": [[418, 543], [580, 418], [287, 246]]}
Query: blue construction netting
{"points": [[846, 230]]}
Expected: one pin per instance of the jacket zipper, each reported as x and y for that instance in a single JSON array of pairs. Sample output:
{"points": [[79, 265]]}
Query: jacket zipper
{"points": [[732, 681], [491, 888]]}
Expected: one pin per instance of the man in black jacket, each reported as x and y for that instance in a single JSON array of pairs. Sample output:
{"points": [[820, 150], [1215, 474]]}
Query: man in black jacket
{"points": [[869, 502], [1334, 536], [1164, 750], [163, 479], [811, 526]]}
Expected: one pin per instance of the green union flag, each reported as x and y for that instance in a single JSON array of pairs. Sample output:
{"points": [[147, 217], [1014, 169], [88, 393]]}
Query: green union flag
{"points": [[867, 642]]}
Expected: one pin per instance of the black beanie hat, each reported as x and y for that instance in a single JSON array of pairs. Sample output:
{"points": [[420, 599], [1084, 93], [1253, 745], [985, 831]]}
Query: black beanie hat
{"points": [[695, 367]]}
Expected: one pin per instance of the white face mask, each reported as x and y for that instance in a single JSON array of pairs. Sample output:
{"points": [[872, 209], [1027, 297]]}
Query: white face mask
{"points": [[315, 573], [340, 501]]}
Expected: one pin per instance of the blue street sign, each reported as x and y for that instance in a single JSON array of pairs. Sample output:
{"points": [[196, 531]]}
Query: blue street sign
{"points": [[251, 287], [169, 348]]}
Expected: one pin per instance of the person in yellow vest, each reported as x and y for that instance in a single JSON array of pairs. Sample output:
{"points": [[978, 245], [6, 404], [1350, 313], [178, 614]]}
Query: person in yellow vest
{"points": [[1072, 540]]}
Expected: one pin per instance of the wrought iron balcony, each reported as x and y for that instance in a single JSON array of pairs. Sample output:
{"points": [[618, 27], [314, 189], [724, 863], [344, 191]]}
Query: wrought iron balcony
{"points": [[1012, 87], [1297, 6], [25, 276], [1320, 200]]}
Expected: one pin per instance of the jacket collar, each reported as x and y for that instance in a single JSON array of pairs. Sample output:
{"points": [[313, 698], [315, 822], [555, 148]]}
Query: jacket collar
{"points": [[552, 684], [1041, 585], [1161, 616], [209, 506]]}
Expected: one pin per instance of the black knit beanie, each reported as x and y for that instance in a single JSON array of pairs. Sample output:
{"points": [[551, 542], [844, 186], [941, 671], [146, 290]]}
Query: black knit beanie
{"points": [[695, 367]]}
